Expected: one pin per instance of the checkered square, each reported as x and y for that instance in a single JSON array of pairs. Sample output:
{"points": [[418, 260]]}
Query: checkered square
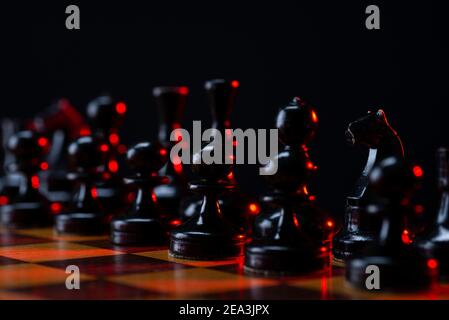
{"points": [[185, 283], [51, 251], [164, 255], [28, 275], [89, 290], [116, 265]]}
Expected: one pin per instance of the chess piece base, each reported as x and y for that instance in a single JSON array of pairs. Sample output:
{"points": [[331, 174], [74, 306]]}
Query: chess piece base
{"points": [[137, 231], [25, 215], [198, 242], [348, 245], [275, 260], [205, 249], [437, 247], [81, 223]]}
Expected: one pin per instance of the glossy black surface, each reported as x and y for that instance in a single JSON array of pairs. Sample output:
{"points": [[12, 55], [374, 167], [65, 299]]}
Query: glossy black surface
{"points": [[28, 208], [208, 235], [435, 241], [143, 223], [401, 265], [85, 215], [9, 184], [289, 234], [221, 96], [170, 102], [61, 123], [359, 229], [106, 115]]}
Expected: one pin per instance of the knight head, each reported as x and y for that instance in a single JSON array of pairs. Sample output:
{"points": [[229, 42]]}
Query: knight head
{"points": [[369, 130]]}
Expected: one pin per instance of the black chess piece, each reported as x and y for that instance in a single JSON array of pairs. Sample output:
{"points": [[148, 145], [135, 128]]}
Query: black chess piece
{"points": [[435, 242], [171, 103], [208, 235], [401, 266], [221, 96], [86, 216], [106, 115], [29, 208], [359, 229], [62, 124], [289, 234], [9, 181], [297, 124], [142, 225]]}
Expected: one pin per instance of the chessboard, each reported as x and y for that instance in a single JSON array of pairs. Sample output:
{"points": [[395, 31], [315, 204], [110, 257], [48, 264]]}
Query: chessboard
{"points": [[33, 265]]}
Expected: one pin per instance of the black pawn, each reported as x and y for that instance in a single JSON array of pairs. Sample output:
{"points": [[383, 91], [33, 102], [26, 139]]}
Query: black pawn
{"points": [[142, 225], [359, 229], [85, 216], [289, 234], [171, 103], [208, 235], [435, 242], [106, 115], [29, 208], [221, 96], [401, 266]]}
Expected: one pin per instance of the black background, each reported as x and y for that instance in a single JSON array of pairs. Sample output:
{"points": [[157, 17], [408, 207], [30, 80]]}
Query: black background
{"points": [[318, 50]]}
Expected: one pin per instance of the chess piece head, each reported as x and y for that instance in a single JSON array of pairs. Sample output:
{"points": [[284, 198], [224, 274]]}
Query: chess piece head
{"points": [[213, 172], [85, 155], [147, 158], [170, 102], [374, 131], [106, 113], [393, 179], [28, 148], [297, 123], [221, 94]]}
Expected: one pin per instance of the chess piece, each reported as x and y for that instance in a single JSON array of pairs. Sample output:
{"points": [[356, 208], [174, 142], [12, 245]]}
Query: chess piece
{"points": [[401, 266], [62, 123], [106, 116], [142, 225], [9, 181], [288, 236], [171, 103], [208, 235], [359, 229], [85, 216], [29, 207], [221, 95], [435, 242]]}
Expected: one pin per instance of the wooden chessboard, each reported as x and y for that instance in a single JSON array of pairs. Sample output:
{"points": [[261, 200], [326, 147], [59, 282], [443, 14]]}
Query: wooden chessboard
{"points": [[33, 264]]}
